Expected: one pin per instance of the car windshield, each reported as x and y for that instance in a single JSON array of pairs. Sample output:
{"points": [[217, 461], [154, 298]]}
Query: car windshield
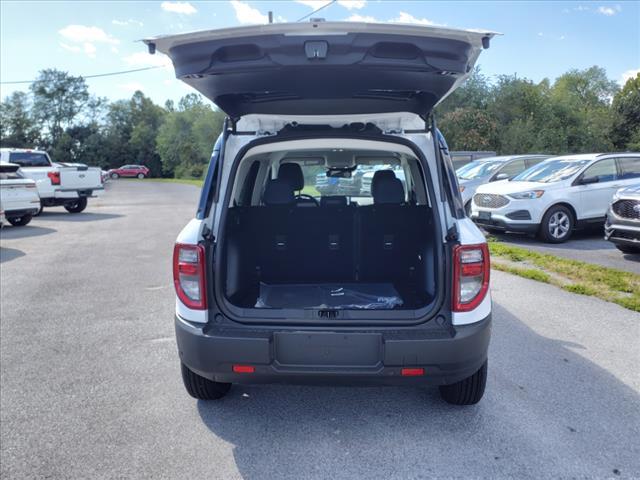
{"points": [[29, 159], [478, 169], [551, 171]]}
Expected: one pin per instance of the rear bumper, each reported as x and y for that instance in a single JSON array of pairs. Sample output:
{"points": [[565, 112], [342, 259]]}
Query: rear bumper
{"points": [[310, 357]]}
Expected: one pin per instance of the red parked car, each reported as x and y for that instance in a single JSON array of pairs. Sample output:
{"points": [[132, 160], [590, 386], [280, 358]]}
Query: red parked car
{"points": [[139, 171]]}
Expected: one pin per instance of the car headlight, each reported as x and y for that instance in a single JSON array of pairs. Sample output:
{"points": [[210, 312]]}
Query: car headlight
{"points": [[529, 195]]}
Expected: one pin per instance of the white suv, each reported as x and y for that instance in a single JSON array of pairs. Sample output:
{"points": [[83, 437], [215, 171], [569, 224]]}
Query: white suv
{"points": [[277, 282], [555, 196]]}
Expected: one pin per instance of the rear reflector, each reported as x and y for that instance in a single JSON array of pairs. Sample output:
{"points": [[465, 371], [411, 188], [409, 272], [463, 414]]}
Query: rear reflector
{"points": [[412, 372], [243, 369]]}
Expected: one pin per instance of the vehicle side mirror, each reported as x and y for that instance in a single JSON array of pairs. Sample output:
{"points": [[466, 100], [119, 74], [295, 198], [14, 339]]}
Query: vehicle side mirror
{"points": [[589, 180], [501, 176]]}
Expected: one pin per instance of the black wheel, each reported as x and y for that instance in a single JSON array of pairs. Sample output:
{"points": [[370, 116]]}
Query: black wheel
{"points": [[628, 249], [202, 388], [77, 206], [557, 225], [114, 175], [141, 176], [468, 391], [20, 221]]}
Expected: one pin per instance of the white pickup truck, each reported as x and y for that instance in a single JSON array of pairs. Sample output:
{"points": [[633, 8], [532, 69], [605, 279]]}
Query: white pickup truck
{"points": [[63, 184]]}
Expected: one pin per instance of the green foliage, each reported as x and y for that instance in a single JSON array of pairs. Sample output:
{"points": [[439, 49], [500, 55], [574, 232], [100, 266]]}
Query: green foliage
{"points": [[17, 125], [625, 132], [185, 139], [581, 111], [515, 115]]}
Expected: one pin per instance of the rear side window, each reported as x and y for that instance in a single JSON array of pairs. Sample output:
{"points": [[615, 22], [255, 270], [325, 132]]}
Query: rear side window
{"points": [[629, 167], [29, 159], [530, 162], [604, 171], [513, 168]]}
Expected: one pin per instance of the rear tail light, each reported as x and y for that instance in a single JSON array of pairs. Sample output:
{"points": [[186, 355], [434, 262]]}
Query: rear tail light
{"points": [[188, 275], [412, 372], [470, 276], [54, 177]]}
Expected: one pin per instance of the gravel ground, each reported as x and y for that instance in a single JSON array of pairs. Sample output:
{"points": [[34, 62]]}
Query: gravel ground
{"points": [[90, 384]]}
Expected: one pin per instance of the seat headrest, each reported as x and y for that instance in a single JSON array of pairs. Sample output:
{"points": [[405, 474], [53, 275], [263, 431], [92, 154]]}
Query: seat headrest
{"points": [[292, 172], [380, 174], [388, 191], [278, 192], [334, 201]]}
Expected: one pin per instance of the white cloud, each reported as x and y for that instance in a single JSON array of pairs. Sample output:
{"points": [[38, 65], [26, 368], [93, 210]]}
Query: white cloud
{"points": [[313, 4], [352, 4], [184, 8], [90, 49], [540, 34], [126, 23], [142, 59], [405, 17], [71, 48], [362, 18], [609, 11], [131, 86], [628, 75], [83, 34], [248, 15]]}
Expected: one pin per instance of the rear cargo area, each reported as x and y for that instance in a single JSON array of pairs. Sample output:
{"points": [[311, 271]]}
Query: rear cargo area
{"points": [[368, 251]]}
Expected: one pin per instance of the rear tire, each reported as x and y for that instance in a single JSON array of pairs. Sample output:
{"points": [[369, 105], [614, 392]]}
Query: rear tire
{"points": [[76, 207], [468, 391], [557, 225], [202, 388], [141, 176], [628, 249], [20, 221]]}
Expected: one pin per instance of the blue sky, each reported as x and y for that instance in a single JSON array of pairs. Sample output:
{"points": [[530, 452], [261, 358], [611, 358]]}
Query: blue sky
{"points": [[541, 39]]}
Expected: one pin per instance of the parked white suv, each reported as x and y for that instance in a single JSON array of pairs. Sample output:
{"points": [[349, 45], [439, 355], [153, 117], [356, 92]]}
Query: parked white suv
{"points": [[275, 285], [68, 185], [19, 199], [556, 196], [492, 169]]}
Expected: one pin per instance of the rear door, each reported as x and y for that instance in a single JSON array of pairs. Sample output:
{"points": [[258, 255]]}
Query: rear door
{"points": [[324, 68], [596, 197]]}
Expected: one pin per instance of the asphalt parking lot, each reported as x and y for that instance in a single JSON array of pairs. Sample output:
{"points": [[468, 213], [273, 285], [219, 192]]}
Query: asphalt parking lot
{"points": [[90, 384]]}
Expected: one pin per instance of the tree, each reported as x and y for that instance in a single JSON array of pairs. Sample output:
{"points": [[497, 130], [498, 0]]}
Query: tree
{"points": [[17, 127], [185, 139], [469, 128], [58, 98], [625, 131]]}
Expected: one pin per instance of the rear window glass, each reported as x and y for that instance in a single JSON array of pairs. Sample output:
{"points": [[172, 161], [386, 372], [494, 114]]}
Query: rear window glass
{"points": [[29, 159]]}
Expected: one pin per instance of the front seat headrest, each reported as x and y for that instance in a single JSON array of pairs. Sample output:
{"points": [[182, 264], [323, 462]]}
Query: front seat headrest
{"points": [[278, 192], [378, 176], [388, 191], [292, 172]]}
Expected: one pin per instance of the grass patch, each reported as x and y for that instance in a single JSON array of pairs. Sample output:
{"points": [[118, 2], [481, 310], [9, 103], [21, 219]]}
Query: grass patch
{"points": [[573, 276], [189, 181]]}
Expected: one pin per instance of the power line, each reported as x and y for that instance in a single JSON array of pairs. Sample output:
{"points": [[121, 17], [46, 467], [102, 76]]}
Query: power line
{"points": [[316, 10], [109, 74]]}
